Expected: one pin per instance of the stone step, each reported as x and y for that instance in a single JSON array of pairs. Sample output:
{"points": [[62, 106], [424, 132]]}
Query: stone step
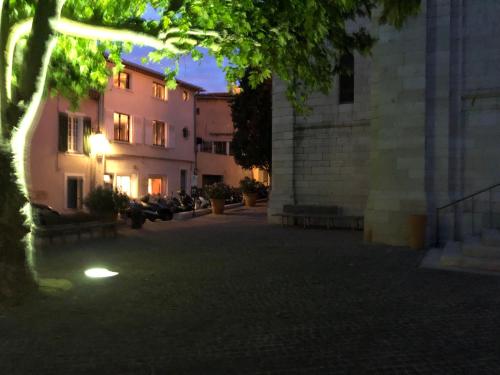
{"points": [[452, 257], [452, 254], [490, 237], [482, 264], [475, 248]]}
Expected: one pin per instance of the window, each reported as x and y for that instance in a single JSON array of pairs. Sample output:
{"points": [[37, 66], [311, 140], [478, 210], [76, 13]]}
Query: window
{"points": [[155, 186], [74, 133], [220, 148], [121, 80], [123, 184], [74, 192], [206, 146], [231, 148], [346, 79], [197, 111], [159, 91], [183, 179], [122, 127], [158, 133], [185, 95]]}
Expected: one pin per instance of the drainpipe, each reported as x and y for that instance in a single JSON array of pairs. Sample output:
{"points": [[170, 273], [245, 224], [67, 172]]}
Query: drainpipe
{"points": [[195, 170], [294, 123]]}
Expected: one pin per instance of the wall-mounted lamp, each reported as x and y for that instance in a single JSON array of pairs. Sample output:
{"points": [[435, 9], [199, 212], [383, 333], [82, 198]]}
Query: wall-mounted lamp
{"points": [[99, 144]]}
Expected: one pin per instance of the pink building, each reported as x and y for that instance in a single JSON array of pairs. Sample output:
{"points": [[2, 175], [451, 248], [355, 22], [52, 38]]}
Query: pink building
{"points": [[151, 134], [214, 133]]}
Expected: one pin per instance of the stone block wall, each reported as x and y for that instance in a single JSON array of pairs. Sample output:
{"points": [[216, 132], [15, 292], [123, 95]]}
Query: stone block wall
{"points": [[397, 162], [322, 158]]}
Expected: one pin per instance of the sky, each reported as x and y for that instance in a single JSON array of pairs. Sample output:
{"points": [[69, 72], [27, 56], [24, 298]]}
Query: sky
{"points": [[204, 73]]}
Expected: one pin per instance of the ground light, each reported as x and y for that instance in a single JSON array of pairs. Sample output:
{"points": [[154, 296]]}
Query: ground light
{"points": [[99, 273]]}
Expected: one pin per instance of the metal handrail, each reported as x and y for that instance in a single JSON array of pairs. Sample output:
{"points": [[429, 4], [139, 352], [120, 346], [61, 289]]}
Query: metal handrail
{"points": [[460, 201]]}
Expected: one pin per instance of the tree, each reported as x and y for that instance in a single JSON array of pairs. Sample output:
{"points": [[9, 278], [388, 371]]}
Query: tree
{"points": [[252, 119], [50, 46]]}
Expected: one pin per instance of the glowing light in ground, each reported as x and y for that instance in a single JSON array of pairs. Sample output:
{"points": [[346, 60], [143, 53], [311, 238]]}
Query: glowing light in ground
{"points": [[99, 273]]}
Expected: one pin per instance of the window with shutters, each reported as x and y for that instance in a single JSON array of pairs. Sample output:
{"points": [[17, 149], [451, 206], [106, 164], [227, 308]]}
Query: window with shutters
{"points": [[121, 127], [121, 80], [159, 91], [158, 133], [74, 133]]}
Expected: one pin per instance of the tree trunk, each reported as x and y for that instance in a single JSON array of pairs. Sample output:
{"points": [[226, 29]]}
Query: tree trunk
{"points": [[16, 279]]}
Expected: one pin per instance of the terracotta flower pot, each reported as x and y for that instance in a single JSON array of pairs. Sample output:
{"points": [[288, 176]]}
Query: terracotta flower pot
{"points": [[217, 206], [250, 199]]}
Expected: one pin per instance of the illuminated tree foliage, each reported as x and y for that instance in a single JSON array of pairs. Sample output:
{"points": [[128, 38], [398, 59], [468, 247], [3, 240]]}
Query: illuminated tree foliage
{"points": [[57, 47], [252, 119]]}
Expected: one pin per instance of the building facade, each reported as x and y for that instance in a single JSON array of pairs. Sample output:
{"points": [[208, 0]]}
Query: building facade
{"points": [[418, 132], [214, 134], [150, 131]]}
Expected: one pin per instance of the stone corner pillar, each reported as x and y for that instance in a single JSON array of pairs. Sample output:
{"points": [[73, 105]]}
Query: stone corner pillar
{"points": [[282, 188], [398, 131]]}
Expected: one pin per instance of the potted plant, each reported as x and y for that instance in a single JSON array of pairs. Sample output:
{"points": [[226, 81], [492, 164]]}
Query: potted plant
{"points": [[105, 203], [217, 194], [249, 188]]}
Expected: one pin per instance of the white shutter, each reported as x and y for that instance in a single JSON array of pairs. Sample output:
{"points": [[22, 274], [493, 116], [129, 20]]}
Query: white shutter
{"points": [[109, 127], [137, 129], [171, 136], [148, 132]]}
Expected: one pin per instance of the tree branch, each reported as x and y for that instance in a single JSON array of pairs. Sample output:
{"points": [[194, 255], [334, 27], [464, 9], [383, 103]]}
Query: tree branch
{"points": [[4, 26], [18, 31], [82, 30], [41, 34]]}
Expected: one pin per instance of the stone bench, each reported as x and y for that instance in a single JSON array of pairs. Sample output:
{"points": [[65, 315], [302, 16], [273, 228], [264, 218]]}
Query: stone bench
{"points": [[331, 215], [63, 230]]}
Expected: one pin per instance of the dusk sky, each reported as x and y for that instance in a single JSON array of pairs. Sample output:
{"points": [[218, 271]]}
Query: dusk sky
{"points": [[204, 73]]}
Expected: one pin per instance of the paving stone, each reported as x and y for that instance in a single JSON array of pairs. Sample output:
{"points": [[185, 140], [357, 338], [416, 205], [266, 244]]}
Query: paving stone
{"points": [[233, 295]]}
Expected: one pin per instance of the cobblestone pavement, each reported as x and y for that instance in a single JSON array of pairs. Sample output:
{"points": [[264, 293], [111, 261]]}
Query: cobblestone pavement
{"points": [[233, 295]]}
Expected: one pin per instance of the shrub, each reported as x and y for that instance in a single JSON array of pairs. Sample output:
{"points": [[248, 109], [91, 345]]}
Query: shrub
{"points": [[219, 190], [104, 201], [249, 185]]}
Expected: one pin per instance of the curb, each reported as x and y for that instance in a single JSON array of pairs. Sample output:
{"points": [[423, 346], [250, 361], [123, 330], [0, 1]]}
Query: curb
{"points": [[180, 216]]}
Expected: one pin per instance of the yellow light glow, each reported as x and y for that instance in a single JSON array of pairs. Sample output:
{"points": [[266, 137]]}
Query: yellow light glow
{"points": [[99, 273], [99, 144]]}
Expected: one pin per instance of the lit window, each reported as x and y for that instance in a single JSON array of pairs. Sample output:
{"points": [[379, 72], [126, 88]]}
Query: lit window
{"points": [[185, 95], [155, 186], [121, 80], [123, 184], [159, 91], [122, 127], [158, 133]]}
